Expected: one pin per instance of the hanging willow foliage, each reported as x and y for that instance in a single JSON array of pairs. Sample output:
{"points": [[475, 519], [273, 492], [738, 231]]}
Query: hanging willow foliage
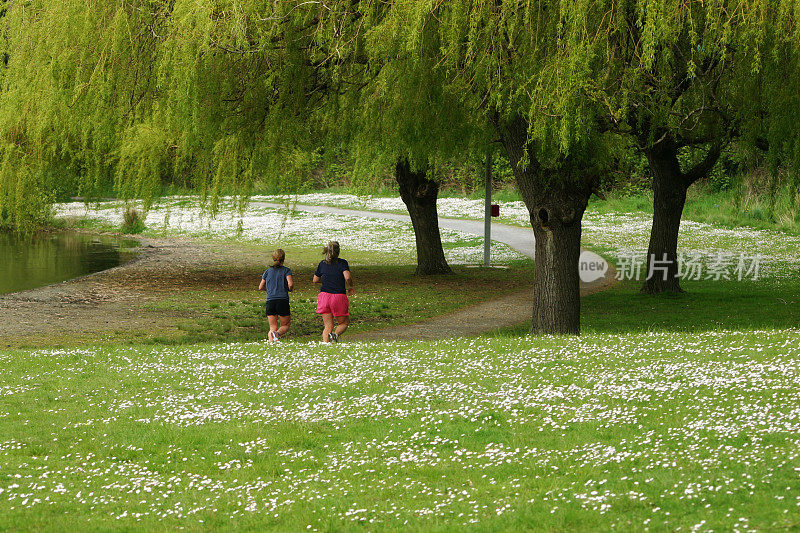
{"points": [[129, 96], [78, 75]]}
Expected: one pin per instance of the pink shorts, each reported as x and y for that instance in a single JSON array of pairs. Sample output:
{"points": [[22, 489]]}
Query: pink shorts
{"points": [[335, 304]]}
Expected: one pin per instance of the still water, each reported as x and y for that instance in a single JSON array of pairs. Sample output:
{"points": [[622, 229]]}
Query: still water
{"points": [[30, 262]]}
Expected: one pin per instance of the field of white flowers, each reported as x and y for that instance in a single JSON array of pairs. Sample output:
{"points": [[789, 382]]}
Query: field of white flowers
{"points": [[661, 431], [616, 234], [286, 227]]}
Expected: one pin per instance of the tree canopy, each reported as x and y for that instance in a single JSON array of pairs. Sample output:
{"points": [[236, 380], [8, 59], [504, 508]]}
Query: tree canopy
{"points": [[132, 94], [127, 96]]}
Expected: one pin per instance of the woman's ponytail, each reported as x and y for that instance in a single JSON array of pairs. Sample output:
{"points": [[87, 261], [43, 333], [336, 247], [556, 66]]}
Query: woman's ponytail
{"points": [[278, 257], [331, 252]]}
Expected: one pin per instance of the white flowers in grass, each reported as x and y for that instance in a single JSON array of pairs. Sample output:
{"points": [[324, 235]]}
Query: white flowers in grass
{"points": [[619, 234], [461, 431], [511, 212], [624, 234], [183, 216]]}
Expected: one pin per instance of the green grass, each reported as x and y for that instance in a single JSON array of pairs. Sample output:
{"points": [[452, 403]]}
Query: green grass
{"points": [[224, 305], [705, 306], [659, 430], [731, 208], [385, 296], [677, 412]]}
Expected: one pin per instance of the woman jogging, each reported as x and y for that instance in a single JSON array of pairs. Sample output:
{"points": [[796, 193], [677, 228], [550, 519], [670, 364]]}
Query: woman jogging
{"points": [[332, 301], [278, 283]]}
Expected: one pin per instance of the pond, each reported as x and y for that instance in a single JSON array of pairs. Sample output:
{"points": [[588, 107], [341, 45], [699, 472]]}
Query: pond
{"points": [[30, 262]]}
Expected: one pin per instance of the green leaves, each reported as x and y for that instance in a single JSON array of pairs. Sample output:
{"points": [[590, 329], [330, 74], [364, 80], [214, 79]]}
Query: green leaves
{"points": [[214, 95]]}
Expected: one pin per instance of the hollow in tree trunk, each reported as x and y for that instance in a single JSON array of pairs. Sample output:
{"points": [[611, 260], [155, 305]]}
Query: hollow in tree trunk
{"points": [[556, 201], [556, 285], [420, 194]]}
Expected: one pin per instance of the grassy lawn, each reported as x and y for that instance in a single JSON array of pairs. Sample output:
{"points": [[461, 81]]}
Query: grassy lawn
{"points": [[385, 296], [706, 306], [675, 413], [666, 430], [222, 304]]}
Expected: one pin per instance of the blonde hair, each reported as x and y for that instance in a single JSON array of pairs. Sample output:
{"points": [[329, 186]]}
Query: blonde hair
{"points": [[331, 252], [278, 257]]}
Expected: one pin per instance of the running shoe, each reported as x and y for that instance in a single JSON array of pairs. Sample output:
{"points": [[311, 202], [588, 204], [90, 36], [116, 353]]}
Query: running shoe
{"points": [[333, 337]]}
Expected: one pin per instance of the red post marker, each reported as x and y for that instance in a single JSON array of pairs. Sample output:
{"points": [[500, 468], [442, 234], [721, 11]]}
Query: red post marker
{"points": [[495, 210]]}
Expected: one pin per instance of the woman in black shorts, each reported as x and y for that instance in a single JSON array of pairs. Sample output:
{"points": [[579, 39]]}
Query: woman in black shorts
{"points": [[277, 281]]}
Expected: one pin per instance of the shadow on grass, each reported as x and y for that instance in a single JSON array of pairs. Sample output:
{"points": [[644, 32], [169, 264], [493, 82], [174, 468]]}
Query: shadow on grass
{"points": [[385, 296], [706, 305]]}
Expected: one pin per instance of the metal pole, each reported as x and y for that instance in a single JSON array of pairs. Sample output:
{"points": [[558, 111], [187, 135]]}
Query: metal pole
{"points": [[487, 217]]}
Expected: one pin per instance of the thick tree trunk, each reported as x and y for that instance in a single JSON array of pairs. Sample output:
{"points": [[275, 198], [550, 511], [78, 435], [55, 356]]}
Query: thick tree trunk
{"points": [[669, 197], [556, 201], [556, 285], [420, 194]]}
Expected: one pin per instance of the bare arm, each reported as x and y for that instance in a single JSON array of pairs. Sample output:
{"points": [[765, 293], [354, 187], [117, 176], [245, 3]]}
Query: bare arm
{"points": [[349, 280], [290, 282], [317, 279], [263, 285]]}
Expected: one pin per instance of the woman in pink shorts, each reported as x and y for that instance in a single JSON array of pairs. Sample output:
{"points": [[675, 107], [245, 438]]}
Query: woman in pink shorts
{"points": [[334, 274]]}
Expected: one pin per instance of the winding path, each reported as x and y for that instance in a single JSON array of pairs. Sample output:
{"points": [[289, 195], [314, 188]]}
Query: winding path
{"points": [[508, 310]]}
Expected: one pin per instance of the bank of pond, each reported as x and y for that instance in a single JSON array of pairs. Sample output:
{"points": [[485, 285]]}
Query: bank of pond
{"points": [[28, 262]]}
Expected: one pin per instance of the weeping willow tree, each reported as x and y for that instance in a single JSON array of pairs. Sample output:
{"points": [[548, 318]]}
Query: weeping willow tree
{"points": [[526, 67], [238, 90], [211, 94], [130, 96], [557, 78], [389, 104], [688, 80], [76, 74]]}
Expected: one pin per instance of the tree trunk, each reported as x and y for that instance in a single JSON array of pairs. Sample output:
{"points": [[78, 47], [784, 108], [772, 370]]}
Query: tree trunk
{"points": [[556, 285], [669, 197], [556, 201], [420, 194]]}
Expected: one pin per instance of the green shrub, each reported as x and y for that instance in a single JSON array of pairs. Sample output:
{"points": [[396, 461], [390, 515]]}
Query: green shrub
{"points": [[132, 221]]}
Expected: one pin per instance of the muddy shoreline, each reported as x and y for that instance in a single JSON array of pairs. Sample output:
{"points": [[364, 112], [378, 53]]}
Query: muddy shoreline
{"points": [[110, 302]]}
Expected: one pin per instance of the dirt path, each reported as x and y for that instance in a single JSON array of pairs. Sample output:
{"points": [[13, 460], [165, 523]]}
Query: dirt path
{"points": [[508, 310], [113, 304]]}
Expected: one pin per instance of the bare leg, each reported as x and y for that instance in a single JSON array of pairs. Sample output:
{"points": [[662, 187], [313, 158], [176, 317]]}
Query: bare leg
{"points": [[285, 322], [273, 325], [344, 321], [327, 321]]}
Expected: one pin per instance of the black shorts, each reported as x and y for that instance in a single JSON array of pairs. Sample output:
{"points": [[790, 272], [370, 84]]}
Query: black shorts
{"points": [[278, 307]]}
